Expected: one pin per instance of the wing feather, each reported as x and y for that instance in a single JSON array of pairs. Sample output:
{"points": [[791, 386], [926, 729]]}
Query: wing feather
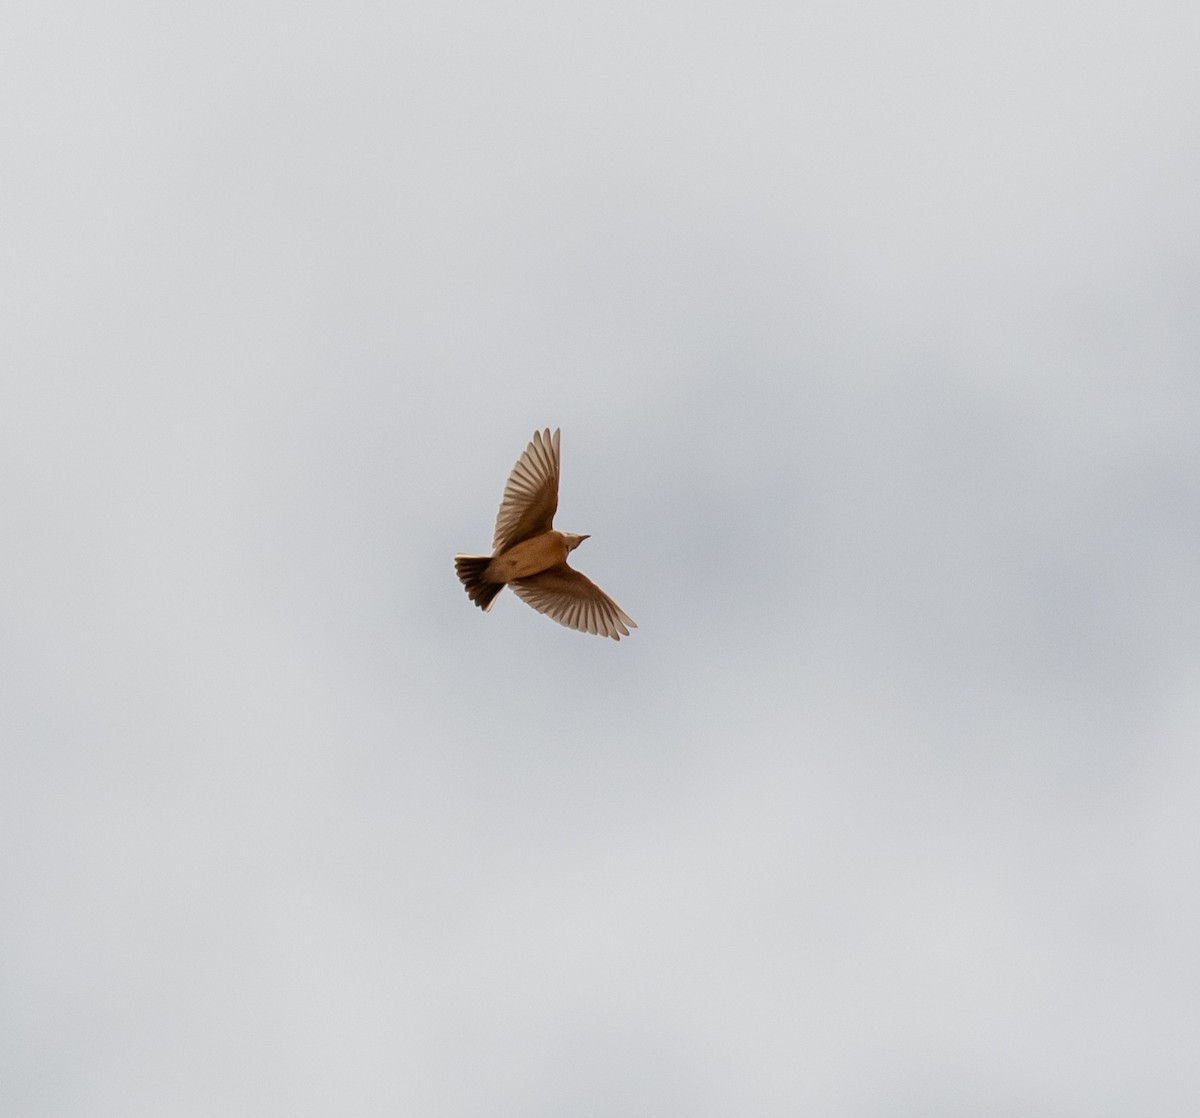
{"points": [[574, 600], [531, 493]]}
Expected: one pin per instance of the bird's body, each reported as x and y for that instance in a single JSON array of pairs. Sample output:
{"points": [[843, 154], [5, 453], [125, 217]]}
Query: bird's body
{"points": [[529, 555]]}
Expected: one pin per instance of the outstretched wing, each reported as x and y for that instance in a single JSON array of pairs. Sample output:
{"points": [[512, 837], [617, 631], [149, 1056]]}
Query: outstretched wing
{"points": [[531, 494], [574, 600]]}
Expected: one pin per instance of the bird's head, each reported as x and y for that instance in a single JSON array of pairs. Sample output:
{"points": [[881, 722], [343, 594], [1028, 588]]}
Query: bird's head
{"points": [[573, 541]]}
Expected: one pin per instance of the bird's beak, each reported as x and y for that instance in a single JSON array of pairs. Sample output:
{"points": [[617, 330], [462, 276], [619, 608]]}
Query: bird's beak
{"points": [[582, 538]]}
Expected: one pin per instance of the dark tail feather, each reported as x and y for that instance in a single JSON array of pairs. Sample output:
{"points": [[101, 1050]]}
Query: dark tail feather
{"points": [[470, 570]]}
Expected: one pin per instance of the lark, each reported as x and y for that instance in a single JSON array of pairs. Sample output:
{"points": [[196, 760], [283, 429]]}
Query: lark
{"points": [[529, 555]]}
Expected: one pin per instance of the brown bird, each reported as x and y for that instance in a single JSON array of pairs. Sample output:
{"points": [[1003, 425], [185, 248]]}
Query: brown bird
{"points": [[531, 557]]}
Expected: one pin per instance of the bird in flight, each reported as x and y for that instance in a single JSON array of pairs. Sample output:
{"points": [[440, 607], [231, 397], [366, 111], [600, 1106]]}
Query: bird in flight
{"points": [[531, 557]]}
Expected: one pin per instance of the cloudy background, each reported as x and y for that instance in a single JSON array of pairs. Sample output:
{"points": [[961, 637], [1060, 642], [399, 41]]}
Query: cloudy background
{"points": [[872, 332]]}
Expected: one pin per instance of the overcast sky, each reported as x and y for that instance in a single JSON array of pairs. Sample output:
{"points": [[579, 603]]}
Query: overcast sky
{"points": [[873, 334]]}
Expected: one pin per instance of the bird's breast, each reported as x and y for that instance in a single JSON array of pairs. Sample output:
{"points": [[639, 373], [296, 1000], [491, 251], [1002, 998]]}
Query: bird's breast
{"points": [[529, 557]]}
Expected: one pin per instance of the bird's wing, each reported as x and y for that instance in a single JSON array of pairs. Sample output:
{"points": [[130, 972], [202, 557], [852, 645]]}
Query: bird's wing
{"points": [[574, 600], [531, 494]]}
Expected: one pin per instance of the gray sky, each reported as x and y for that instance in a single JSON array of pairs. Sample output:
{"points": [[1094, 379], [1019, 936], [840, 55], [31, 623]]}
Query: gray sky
{"points": [[872, 331]]}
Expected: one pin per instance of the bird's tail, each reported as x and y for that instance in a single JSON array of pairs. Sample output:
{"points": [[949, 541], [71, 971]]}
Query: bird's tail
{"points": [[470, 570]]}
